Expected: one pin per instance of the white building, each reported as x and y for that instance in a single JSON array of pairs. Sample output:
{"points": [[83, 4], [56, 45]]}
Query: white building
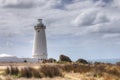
{"points": [[10, 58], [40, 47]]}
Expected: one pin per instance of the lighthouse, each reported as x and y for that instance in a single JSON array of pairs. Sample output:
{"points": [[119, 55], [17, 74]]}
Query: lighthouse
{"points": [[40, 46]]}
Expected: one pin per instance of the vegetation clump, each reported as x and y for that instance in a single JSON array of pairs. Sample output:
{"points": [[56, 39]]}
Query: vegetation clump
{"points": [[64, 58], [118, 63], [29, 72], [83, 61], [76, 68], [25, 61], [50, 71], [12, 70], [26, 72], [51, 60]]}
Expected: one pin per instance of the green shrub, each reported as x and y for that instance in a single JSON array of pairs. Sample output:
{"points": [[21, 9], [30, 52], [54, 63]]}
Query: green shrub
{"points": [[64, 58]]}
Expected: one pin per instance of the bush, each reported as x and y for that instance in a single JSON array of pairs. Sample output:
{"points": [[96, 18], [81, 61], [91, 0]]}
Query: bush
{"points": [[12, 70], [114, 71], [83, 61], [29, 72], [118, 63], [36, 73], [51, 60], [75, 68], [64, 58], [7, 70], [50, 71], [25, 61]]}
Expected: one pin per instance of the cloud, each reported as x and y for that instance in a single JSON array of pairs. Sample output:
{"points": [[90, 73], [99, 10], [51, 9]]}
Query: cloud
{"points": [[112, 27], [103, 3], [17, 3], [101, 18], [24, 4], [90, 17], [85, 18], [68, 21], [56, 17]]}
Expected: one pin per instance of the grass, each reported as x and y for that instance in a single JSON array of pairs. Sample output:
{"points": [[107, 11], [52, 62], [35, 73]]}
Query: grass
{"points": [[29, 72], [12, 70], [26, 72], [50, 71], [84, 71], [75, 68]]}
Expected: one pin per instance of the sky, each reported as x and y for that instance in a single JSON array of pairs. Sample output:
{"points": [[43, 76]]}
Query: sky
{"points": [[88, 29]]}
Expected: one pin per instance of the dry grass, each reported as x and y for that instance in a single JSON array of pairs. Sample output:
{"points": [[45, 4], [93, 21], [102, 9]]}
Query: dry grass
{"points": [[29, 72], [66, 71], [12, 70], [76, 68], [50, 71]]}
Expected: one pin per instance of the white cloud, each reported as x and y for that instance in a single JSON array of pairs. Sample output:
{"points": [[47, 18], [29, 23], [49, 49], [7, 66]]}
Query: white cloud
{"points": [[111, 28], [86, 18], [103, 3], [91, 17], [101, 18]]}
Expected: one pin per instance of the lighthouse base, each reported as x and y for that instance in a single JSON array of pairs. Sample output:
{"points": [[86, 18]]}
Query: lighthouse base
{"points": [[40, 56]]}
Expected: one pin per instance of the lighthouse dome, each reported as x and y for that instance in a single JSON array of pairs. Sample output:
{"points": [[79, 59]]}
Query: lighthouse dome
{"points": [[40, 22], [40, 25]]}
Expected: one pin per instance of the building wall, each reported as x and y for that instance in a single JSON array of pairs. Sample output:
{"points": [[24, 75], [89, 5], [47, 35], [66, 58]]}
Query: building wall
{"points": [[15, 59], [40, 47]]}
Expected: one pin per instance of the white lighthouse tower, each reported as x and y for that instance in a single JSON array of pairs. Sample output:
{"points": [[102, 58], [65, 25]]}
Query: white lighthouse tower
{"points": [[40, 47]]}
